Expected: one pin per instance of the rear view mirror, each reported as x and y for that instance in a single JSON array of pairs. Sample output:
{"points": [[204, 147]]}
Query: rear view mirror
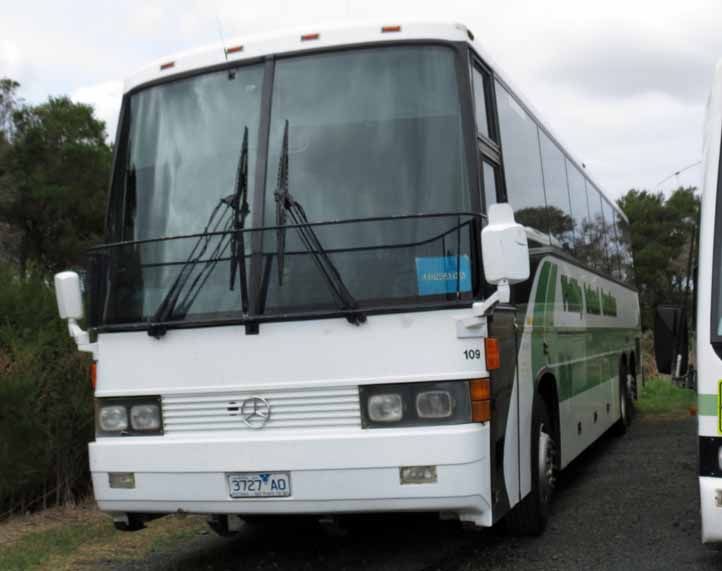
{"points": [[671, 340], [68, 295]]}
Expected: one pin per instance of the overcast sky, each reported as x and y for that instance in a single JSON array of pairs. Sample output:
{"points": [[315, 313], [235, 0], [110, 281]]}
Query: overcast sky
{"points": [[623, 83]]}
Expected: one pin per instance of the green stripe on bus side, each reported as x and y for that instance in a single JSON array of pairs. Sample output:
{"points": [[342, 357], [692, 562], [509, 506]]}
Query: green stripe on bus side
{"points": [[707, 405], [580, 358]]}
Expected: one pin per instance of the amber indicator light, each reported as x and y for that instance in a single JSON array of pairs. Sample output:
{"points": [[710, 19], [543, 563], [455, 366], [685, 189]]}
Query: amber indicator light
{"points": [[93, 375], [480, 392], [308, 37], [234, 50], [493, 360], [481, 411], [168, 65], [387, 29]]}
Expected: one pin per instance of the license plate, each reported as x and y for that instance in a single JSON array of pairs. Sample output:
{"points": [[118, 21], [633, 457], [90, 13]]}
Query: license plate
{"points": [[260, 485]]}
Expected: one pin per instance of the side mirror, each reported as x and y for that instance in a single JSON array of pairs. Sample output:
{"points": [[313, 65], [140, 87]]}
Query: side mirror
{"points": [[671, 340], [506, 258], [504, 247], [68, 295], [70, 307]]}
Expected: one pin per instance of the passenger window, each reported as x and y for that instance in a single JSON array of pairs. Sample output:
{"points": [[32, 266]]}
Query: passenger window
{"points": [[580, 210], [488, 181], [611, 239], [595, 237], [559, 222], [624, 241], [522, 163], [482, 119]]}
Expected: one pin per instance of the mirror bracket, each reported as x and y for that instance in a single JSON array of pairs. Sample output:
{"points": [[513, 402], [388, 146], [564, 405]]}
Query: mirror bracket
{"points": [[501, 295], [476, 326], [81, 337]]}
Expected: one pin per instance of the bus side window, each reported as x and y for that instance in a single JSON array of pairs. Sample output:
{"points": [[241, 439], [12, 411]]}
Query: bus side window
{"points": [[488, 183], [580, 212], [626, 261], [480, 107], [522, 162], [595, 230], [611, 239], [559, 221]]}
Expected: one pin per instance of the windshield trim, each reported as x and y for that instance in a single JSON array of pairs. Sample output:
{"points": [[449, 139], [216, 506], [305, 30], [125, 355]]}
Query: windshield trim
{"points": [[235, 319]]}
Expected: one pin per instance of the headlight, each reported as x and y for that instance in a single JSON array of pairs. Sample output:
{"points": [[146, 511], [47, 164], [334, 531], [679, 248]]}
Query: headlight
{"points": [[434, 404], [113, 418], [415, 404], [133, 416], [385, 408], [145, 417]]}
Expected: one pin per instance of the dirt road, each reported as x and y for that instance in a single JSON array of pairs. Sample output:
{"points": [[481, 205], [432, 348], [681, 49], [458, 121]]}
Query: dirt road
{"points": [[628, 503]]}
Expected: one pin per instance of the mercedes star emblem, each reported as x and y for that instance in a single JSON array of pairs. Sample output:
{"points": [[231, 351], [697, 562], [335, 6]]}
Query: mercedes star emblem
{"points": [[255, 412]]}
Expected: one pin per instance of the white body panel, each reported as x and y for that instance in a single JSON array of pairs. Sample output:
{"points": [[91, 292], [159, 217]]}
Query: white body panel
{"points": [[709, 365], [335, 465]]}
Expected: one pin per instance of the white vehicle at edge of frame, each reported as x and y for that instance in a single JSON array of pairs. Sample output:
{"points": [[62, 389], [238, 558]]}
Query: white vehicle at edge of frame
{"points": [[709, 362], [348, 270]]}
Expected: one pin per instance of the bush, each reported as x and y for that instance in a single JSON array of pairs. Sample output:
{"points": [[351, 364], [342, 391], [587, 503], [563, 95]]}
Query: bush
{"points": [[46, 406]]}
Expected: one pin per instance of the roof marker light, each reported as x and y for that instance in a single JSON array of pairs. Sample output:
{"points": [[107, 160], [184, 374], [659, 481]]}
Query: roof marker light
{"points": [[234, 50], [387, 29], [308, 37], [168, 65]]}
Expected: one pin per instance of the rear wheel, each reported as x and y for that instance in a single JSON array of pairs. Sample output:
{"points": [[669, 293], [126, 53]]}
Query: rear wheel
{"points": [[626, 402], [529, 517]]}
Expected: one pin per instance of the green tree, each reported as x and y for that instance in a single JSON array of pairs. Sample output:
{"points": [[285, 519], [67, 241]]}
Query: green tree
{"points": [[58, 166], [661, 230], [9, 103]]}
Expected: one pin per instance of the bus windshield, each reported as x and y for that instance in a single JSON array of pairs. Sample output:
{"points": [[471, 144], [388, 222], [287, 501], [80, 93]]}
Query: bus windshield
{"points": [[369, 135]]}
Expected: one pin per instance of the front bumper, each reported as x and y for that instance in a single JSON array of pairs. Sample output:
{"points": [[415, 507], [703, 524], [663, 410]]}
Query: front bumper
{"points": [[710, 496], [340, 471]]}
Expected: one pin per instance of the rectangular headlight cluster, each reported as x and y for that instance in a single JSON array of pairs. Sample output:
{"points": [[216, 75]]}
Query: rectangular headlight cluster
{"points": [[415, 404], [133, 416]]}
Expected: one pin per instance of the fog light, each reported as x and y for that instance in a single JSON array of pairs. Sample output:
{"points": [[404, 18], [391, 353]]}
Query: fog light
{"points": [[418, 474], [124, 480]]}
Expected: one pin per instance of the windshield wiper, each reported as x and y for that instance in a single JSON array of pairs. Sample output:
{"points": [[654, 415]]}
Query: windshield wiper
{"points": [[286, 204], [239, 204], [180, 298]]}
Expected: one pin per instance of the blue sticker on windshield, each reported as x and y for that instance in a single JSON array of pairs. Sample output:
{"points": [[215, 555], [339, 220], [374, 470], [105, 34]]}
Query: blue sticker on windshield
{"points": [[441, 275]]}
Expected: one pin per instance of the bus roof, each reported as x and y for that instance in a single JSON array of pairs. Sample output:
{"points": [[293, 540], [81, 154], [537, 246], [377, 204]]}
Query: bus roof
{"points": [[324, 36]]}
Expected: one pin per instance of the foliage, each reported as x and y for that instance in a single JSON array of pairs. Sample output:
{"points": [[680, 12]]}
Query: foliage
{"points": [[55, 176], [661, 231], [45, 398]]}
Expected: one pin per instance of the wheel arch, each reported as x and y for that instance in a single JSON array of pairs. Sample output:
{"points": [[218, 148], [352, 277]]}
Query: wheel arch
{"points": [[547, 390]]}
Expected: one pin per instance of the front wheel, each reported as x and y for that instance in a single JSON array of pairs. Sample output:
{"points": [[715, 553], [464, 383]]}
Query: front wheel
{"points": [[530, 515]]}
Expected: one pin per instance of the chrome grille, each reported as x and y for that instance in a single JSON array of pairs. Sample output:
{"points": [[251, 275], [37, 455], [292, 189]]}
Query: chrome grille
{"points": [[327, 407]]}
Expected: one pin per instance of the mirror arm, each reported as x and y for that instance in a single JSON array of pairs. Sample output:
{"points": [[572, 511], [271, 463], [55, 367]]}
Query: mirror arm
{"points": [[501, 295], [81, 337], [476, 326]]}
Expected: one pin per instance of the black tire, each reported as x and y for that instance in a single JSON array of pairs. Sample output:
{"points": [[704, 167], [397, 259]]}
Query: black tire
{"points": [[530, 516], [626, 402]]}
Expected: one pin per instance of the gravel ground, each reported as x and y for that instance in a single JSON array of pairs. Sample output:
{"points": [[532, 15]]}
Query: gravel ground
{"points": [[628, 503]]}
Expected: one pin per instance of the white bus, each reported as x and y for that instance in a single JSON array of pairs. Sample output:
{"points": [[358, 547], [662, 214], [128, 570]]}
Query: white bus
{"points": [[671, 327], [296, 310]]}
